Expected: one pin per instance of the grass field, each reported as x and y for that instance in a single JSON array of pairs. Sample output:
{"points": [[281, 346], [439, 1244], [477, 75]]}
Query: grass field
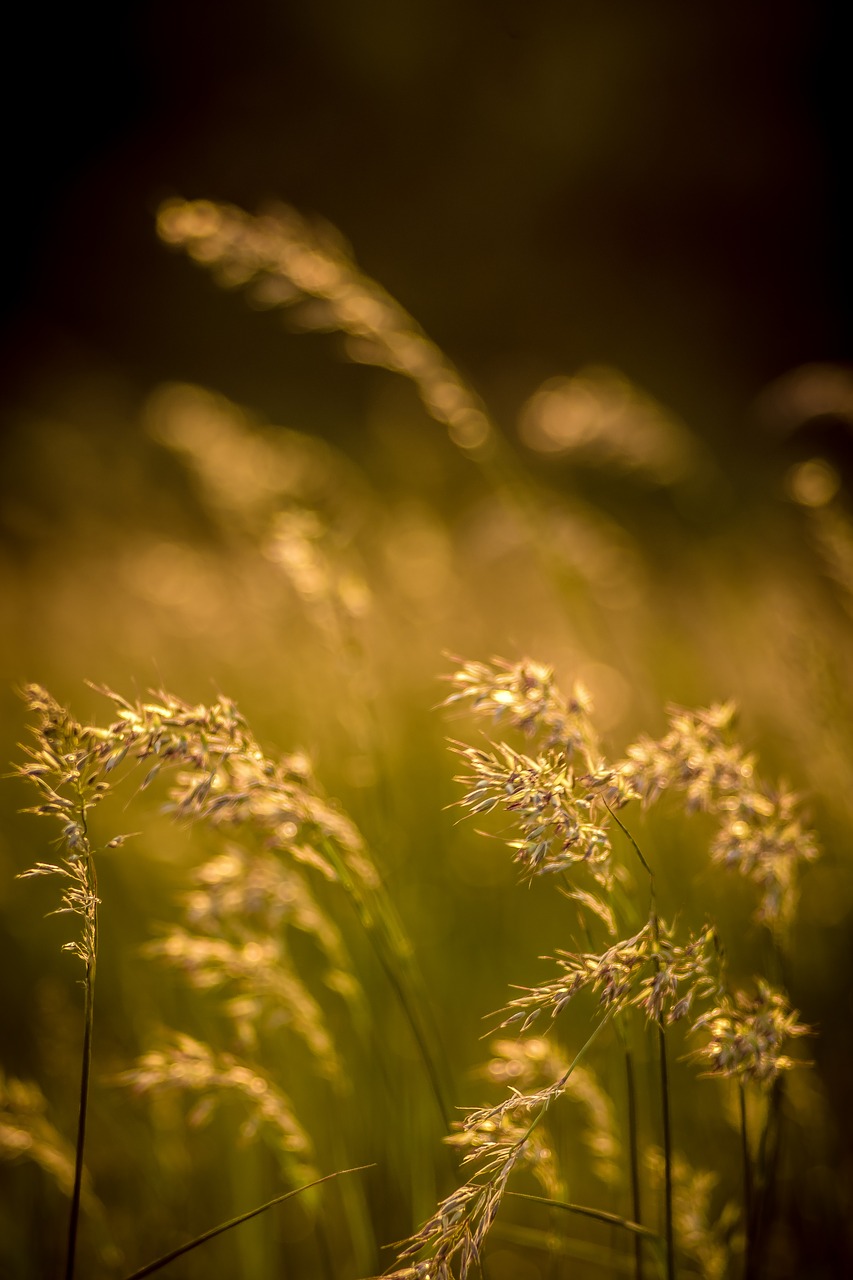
{"points": [[377, 887]]}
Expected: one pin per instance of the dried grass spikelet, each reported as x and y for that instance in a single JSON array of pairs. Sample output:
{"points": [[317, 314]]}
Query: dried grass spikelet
{"points": [[762, 831], [226, 780], [746, 1035], [295, 497], [498, 1141], [234, 943], [649, 971], [62, 766], [598, 416], [562, 826], [260, 990], [563, 811], [241, 908], [525, 696], [667, 976]]}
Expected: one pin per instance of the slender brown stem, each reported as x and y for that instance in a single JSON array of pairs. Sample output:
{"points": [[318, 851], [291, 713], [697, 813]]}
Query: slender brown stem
{"points": [[667, 1154], [767, 1161], [748, 1212], [85, 1070]]}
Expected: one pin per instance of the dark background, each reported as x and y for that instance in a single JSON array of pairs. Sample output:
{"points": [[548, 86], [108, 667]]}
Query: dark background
{"points": [[660, 187]]}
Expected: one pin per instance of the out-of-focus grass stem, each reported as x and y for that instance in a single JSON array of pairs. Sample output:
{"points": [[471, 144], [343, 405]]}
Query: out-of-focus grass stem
{"points": [[634, 1160]]}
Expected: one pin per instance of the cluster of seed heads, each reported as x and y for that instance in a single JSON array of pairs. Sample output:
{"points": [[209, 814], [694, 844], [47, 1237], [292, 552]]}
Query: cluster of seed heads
{"points": [[560, 802]]}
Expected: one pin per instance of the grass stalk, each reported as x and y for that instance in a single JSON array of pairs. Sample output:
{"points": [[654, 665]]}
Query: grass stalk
{"points": [[748, 1211], [86, 1063], [166, 1258], [667, 1154], [600, 1215], [767, 1161], [85, 1071]]}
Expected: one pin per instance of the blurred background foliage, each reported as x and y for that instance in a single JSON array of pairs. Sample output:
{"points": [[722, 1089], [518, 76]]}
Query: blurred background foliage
{"points": [[627, 226]]}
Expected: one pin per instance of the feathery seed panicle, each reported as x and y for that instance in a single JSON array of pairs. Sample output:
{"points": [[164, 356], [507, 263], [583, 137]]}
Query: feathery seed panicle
{"points": [[525, 696], [762, 832], [746, 1035], [226, 779], [286, 261], [648, 971], [713, 1245], [498, 1141], [267, 993], [562, 825], [243, 904], [64, 767]]}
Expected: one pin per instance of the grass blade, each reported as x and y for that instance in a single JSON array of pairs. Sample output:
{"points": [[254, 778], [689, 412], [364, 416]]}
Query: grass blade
{"points": [[600, 1215], [166, 1258]]}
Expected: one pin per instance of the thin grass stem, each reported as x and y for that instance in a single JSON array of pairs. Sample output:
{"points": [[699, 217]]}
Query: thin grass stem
{"points": [[86, 1063], [667, 1153], [766, 1163], [633, 1143], [585, 1211], [85, 1071], [166, 1258], [748, 1211], [664, 1083]]}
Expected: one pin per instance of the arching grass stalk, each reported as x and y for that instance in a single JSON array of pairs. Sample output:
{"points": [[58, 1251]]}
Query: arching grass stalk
{"points": [[455, 1233]]}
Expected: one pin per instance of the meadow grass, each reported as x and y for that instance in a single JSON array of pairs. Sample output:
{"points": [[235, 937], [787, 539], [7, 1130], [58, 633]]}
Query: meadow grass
{"points": [[278, 834], [308, 998]]}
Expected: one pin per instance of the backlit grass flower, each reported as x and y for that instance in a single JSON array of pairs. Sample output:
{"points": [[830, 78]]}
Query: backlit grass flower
{"points": [[561, 825], [525, 696], [746, 1036], [649, 971], [762, 831]]}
